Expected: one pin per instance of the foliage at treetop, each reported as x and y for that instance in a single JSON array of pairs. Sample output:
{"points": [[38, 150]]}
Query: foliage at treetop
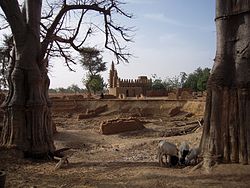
{"points": [[91, 60], [74, 88]]}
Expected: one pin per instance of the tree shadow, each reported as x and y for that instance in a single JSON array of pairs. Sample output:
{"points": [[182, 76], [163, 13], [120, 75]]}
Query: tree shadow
{"points": [[115, 164], [120, 164]]}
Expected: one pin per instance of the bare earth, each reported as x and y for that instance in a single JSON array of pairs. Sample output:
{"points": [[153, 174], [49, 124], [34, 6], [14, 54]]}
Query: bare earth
{"points": [[120, 160]]}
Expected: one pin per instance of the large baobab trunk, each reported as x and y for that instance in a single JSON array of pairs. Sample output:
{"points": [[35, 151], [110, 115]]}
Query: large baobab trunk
{"points": [[27, 121], [227, 116]]}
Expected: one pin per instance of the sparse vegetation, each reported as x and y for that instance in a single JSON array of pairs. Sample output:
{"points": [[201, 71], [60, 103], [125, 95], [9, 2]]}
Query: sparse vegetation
{"points": [[197, 81], [92, 62]]}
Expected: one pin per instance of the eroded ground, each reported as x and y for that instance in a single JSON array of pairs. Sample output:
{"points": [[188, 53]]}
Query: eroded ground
{"points": [[120, 160]]}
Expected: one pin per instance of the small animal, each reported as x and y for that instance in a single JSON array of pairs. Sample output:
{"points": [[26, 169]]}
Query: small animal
{"points": [[192, 157], [183, 152], [167, 149]]}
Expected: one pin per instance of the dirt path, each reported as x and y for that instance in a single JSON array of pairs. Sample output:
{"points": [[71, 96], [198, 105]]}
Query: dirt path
{"points": [[120, 160]]}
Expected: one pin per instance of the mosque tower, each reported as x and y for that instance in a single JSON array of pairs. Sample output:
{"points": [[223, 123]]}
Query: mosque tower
{"points": [[113, 76]]}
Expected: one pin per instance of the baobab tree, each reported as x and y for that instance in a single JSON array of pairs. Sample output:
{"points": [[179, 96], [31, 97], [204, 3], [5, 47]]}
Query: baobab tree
{"points": [[39, 33], [226, 133]]}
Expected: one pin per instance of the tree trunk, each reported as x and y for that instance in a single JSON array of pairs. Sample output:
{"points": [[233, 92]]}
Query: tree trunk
{"points": [[27, 121], [226, 131]]}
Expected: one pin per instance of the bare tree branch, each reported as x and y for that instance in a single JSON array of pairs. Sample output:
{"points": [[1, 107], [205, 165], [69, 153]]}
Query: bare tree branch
{"points": [[62, 12], [54, 31], [14, 16], [66, 56]]}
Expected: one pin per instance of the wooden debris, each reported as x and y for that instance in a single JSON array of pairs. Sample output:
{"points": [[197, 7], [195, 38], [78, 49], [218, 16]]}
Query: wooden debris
{"points": [[183, 130], [62, 161], [196, 167], [207, 163]]}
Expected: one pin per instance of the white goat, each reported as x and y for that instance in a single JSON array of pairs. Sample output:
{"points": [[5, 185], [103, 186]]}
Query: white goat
{"points": [[193, 155], [168, 149], [183, 152]]}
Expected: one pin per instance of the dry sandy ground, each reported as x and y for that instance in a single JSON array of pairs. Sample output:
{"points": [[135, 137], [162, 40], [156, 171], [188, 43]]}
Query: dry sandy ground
{"points": [[120, 160]]}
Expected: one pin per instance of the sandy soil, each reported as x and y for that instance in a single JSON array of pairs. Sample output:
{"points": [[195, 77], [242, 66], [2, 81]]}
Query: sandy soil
{"points": [[120, 160]]}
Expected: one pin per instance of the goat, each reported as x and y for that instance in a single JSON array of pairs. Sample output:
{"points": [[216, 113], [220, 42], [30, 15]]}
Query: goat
{"points": [[193, 155], [183, 152], [168, 149]]}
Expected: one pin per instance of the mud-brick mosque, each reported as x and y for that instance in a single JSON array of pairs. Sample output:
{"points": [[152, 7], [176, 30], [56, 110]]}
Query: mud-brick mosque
{"points": [[127, 87]]}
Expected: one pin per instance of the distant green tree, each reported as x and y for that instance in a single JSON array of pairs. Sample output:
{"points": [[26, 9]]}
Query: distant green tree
{"points": [[74, 89], [167, 84], [197, 80], [191, 82], [202, 80], [61, 90], [51, 90], [95, 83], [92, 62], [71, 89], [175, 82], [183, 78], [158, 84]]}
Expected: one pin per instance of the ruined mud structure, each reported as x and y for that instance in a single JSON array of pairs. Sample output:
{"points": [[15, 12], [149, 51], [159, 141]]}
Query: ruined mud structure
{"points": [[119, 125], [142, 87], [127, 87], [117, 146]]}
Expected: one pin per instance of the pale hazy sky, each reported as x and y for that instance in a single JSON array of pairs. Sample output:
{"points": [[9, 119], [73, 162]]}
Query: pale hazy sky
{"points": [[171, 36]]}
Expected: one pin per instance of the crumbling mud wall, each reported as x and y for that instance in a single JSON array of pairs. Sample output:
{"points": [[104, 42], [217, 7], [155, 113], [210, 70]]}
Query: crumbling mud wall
{"points": [[93, 112], [145, 107], [120, 125]]}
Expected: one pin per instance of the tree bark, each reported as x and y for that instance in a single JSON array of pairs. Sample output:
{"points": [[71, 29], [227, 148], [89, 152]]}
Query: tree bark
{"points": [[27, 121], [227, 116]]}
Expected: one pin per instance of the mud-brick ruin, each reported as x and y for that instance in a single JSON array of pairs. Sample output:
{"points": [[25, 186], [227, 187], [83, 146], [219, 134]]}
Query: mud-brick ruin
{"points": [[127, 87], [141, 87]]}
